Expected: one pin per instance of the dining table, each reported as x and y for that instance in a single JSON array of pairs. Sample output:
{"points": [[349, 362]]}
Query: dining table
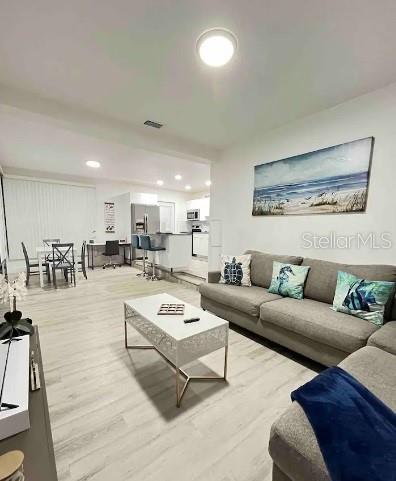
{"points": [[42, 252]]}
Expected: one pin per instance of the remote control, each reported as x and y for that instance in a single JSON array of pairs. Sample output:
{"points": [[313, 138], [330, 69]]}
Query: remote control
{"points": [[193, 319]]}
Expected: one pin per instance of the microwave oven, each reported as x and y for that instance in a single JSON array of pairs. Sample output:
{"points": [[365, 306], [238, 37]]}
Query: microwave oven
{"points": [[193, 214]]}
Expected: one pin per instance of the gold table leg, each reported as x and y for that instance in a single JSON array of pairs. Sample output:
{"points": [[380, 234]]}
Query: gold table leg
{"points": [[178, 371]]}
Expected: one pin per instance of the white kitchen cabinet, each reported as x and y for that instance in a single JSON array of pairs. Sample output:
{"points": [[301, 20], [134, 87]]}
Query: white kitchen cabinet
{"points": [[200, 244], [202, 204]]}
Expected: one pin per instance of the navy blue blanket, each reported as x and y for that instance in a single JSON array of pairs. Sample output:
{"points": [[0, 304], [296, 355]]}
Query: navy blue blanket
{"points": [[356, 431]]}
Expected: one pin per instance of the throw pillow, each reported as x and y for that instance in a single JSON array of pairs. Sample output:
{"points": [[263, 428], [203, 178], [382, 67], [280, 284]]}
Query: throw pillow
{"points": [[235, 270], [288, 280], [362, 298]]}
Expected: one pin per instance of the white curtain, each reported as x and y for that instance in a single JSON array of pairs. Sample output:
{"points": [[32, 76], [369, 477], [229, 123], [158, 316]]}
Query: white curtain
{"points": [[36, 210]]}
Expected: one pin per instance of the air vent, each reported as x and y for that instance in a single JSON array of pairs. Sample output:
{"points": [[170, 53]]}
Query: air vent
{"points": [[151, 123]]}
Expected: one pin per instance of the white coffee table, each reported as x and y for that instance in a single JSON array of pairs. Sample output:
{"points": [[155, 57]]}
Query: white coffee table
{"points": [[177, 342]]}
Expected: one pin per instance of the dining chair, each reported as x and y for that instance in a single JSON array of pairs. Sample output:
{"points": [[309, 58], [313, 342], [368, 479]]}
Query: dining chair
{"points": [[81, 262], [63, 259], [48, 243], [33, 264]]}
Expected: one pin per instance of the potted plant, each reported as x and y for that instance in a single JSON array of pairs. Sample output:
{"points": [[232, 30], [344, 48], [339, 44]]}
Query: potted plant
{"points": [[10, 291]]}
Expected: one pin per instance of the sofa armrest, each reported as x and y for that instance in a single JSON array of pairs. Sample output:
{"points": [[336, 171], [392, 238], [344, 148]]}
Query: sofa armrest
{"points": [[214, 277], [384, 338]]}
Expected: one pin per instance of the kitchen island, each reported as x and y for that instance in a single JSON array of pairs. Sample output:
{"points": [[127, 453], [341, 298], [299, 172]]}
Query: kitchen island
{"points": [[177, 253]]}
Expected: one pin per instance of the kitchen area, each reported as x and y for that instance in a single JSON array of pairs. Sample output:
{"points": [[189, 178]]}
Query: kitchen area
{"points": [[181, 228], [186, 246], [198, 211]]}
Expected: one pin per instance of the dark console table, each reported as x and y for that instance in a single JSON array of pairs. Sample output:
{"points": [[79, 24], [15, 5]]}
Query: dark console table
{"points": [[36, 442]]}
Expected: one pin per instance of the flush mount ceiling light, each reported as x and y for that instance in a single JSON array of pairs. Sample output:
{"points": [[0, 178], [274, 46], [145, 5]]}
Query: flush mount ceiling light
{"points": [[93, 163], [178, 177], [160, 182], [208, 183], [216, 47], [188, 187]]}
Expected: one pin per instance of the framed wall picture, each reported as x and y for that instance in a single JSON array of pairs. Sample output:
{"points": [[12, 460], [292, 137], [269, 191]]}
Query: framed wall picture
{"points": [[109, 217], [333, 180]]}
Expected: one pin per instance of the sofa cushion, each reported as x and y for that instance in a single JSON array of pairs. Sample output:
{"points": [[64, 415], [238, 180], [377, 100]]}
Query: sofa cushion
{"points": [[315, 320], [262, 264], [245, 299], [322, 278], [288, 280], [293, 445], [362, 297], [384, 338], [235, 270]]}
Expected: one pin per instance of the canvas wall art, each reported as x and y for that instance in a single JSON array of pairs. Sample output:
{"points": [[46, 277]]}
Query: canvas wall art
{"points": [[330, 180]]}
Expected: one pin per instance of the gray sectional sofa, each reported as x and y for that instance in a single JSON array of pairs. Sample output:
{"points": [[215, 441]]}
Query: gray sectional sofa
{"points": [[307, 326], [311, 328], [293, 446]]}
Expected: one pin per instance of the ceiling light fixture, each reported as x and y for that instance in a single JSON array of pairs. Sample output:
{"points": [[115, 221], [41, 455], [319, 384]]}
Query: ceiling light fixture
{"points": [[93, 163], [208, 183], [188, 187], [160, 182], [178, 177], [216, 46], [152, 123]]}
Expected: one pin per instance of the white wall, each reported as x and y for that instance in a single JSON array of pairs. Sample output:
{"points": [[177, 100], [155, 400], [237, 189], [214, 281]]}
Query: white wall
{"points": [[105, 192], [232, 183], [46, 207]]}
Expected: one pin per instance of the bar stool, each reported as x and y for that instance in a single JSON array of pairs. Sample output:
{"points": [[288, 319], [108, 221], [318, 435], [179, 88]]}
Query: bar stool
{"points": [[145, 243], [136, 244]]}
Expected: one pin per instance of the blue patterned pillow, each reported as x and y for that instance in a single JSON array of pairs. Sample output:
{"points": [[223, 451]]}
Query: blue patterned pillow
{"points": [[362, 298], [288, 280]]}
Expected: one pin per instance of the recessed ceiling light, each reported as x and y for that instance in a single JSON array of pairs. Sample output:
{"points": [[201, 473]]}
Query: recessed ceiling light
{"points": [[188, 187], [93, 163], [178, 177], [208, 183], [216, 47], [160, 182]]}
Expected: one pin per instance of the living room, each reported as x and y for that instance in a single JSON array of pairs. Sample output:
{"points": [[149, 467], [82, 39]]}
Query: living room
{"points": [[197, 241]]}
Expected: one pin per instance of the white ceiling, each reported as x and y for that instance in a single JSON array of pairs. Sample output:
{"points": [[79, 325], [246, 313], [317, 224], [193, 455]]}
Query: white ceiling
{"points": [[36, 143], [79, 78], [133, 60]]}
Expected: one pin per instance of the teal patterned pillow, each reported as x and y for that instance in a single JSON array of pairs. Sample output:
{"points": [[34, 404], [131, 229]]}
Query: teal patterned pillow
{"points": [[362, 298], [288, 280]]}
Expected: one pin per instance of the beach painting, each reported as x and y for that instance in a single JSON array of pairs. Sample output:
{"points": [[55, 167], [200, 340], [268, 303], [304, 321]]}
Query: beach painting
{"points": [[327, 181]]}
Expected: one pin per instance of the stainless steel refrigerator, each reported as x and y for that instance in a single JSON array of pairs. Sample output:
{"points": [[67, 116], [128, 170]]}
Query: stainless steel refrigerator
{"points": [[145, 219]]}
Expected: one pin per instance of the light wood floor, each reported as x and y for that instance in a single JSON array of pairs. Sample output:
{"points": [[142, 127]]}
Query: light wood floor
{"points": [[113, 413]]}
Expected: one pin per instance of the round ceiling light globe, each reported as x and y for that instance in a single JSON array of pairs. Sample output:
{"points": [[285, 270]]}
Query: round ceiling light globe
{"points": [[216, 47], [93, 163]]}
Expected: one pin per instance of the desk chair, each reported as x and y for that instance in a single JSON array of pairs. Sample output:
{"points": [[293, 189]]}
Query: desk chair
{"points": [[145, 242], [112, 248], [135, 241], [63, 259], [30, 265]]}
